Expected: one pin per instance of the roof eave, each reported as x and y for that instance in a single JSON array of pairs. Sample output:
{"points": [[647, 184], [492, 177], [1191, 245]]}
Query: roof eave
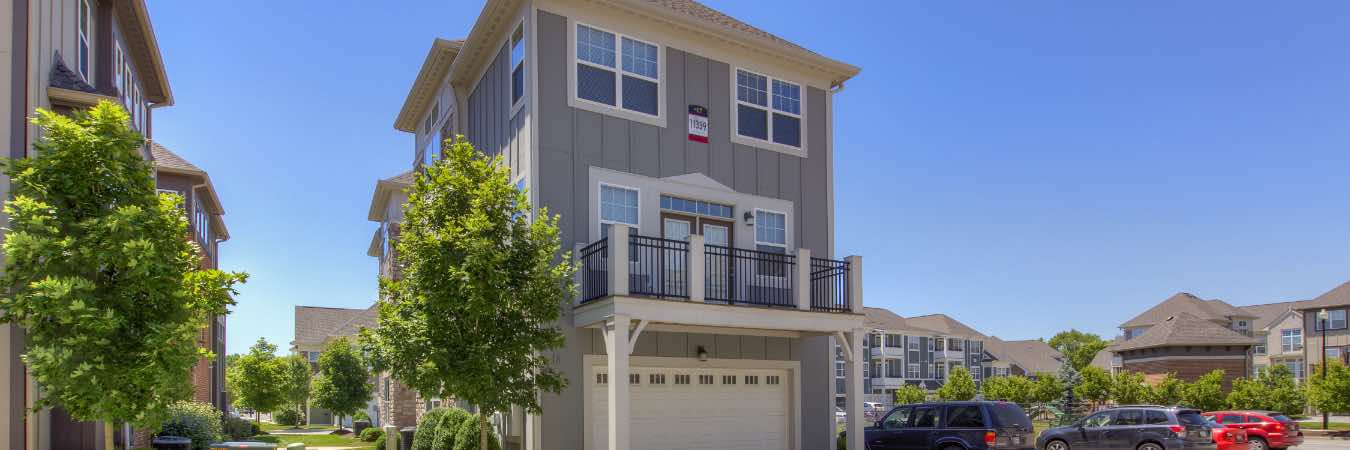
{"points": [[133, 15], [435, 66]]}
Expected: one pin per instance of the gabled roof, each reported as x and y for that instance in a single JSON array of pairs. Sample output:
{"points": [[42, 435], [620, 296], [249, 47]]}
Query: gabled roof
{"points": [[1184, 302], [1270, 314], [384, 190], [884, 319], [1338, 296], [1032, 355], [1184, 329], [315, 324], [945, 325], [427, 83], [1102, 359], [166, 160]]}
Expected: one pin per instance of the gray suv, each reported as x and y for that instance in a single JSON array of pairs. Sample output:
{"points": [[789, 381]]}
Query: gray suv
{"points": [[1133, 428]]}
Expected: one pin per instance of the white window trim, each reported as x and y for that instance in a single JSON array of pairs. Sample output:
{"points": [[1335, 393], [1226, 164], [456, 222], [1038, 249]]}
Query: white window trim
{"points": [[524, 59], [787, 237], [600, 207], [617, 110], [83, 36], [766, 144]]}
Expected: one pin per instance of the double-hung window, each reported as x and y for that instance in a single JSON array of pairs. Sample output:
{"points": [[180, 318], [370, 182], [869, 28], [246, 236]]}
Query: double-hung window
{"points": [[768, 109], [1335, 320], [432, 150], [618, 71], [517, 65], [913, 371], [1291, 340], [771, 237], [85, 24], [618, 205]]}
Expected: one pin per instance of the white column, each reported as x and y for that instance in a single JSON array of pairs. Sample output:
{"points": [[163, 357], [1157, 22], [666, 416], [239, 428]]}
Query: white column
{"points": [[618, 260], [855, 286], [853, 386], [391, 438], [616, 342], [803, 279], [697, 268]]}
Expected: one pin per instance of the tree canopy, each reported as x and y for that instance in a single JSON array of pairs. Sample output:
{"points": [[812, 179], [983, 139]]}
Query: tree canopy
{"points": [[1206, 392], [1078, 347], [958, 386], [1169, 391], [108, 289], [296, 378], [343, 382], [1046, 388], [1330, 392], [1095, 387], [910, 393], [1013, 388], [258, 379], [1128, 388]]}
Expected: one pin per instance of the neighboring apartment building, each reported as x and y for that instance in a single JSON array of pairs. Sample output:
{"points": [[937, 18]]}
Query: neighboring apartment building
{"points": [[689, 155], [1186, 336], [63, 55], [1027, 357], [1279, 329], [315, 327], [1328, 336]]}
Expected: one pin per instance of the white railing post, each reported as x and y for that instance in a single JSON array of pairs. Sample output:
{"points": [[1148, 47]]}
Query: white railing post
{"points": [[855, 286], [618, 260], [803, 279], [697, 268], [391, 437], [580, 276]]}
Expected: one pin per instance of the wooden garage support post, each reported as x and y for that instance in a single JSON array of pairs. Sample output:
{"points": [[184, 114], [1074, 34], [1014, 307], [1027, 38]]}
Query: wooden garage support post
{"points": [[853, 386], [617, 344]]}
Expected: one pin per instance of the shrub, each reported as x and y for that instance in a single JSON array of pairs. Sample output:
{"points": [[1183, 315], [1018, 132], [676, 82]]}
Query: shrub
{"points": [[448, 428], [379, 442], [288, 417], [200, 422], [237, 428], [842, 442], [466, 436], [371, 434], [361, 415], [426, 429]]}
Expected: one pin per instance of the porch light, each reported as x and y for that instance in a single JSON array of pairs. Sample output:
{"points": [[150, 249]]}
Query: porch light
{"points": [[702, 354], [749, 218], [1322, 315]]}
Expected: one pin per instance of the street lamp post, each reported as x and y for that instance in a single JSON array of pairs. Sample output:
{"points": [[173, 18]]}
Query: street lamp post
{"points": [[1322, 318]]}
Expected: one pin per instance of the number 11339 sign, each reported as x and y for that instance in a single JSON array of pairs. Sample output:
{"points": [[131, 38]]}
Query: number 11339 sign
{"points": [[698, 124]]}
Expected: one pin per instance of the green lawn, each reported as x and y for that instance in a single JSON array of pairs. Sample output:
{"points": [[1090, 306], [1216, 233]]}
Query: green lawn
{"points": [[270, 427], [1317, 425], [321, 440]]}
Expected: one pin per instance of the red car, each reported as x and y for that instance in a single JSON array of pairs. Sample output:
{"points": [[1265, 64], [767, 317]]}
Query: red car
{"points": [[1265, 429], [1229, 438]]}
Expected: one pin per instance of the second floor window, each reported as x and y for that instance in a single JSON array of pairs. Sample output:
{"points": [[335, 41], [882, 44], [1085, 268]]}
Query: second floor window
{"points": [[913, 371], [954, 345], [768, 109], [1291, 340], [86, 17], [617, 71], [893, 340], [618, 205], [202, 222], [1335, 320], [517, 65]]}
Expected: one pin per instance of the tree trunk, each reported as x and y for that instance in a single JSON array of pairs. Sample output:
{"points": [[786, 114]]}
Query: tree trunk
{"points": [[107, 435], [482, 430]]}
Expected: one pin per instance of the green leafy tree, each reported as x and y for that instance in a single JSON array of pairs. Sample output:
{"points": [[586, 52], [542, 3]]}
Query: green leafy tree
{"points": [[1170, 391], [475, 313], [1014, 388], [297, 377], [958, 386], [1330, 392], [100, 275], [1283, 393], [258, 379], [1046, 388], [343, 382], [1206, 393], [910, 393], [1078, 347], [1095, 387], [1128, 388]]}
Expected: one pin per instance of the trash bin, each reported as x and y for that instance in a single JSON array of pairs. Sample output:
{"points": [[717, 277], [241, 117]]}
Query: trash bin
{"points": [[405, 438], [171, 443], [359, 426]]}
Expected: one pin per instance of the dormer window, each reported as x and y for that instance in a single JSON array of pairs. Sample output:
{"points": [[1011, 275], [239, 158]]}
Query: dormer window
{"points": [[768, 109], [618, 71]]}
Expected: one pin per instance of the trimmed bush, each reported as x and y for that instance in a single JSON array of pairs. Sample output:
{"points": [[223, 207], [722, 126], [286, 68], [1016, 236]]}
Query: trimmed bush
{"points": [[288, 417], [842, 442], [200, 422], [371, 434], [237, 428], [361, 415], [379, 442], [448, 427], [426, 429], [466, 436]]}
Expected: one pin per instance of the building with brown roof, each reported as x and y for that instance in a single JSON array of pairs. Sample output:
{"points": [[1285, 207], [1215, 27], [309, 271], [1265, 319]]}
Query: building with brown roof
{"points": [[1188, 347], [1326, 336], [315, 327], [1026, 357]]}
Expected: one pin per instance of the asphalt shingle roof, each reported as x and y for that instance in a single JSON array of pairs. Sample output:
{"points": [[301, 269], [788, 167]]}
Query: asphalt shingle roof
{"points": [[165, 158], [946, 325], [1268, 312], [704, 13], [314, 324], [1184, 329], [1339, 296], [1186, 303], [1033, 355], [884, 319]]}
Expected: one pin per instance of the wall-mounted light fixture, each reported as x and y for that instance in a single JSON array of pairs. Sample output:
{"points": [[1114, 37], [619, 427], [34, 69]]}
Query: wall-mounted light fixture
{"points": [[702, 353], [749, 218]]}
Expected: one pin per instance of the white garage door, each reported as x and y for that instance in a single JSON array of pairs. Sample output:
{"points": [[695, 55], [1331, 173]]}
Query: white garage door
{"points": [[696, 409]]}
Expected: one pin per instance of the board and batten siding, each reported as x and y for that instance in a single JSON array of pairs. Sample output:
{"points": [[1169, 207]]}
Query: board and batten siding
{"points": [[573, 140], [490, 125]]}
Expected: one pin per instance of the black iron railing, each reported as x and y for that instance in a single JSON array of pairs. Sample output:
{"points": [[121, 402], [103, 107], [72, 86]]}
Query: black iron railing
{"points": [[659, 267], [594, 270], [829, 285], [749, 277]]}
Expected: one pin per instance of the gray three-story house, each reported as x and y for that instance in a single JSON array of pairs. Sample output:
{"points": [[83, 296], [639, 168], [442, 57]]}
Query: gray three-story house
{"points": [[689, 156]]}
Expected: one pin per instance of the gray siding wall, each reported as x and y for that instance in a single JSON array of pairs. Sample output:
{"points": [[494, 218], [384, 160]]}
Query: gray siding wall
{"points": [[490, 125]]}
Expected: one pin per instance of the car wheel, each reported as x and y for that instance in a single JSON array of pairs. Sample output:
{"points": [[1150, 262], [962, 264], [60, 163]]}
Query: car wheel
{"points": [[1057, 445], [1257, 443], [1149, 446]]}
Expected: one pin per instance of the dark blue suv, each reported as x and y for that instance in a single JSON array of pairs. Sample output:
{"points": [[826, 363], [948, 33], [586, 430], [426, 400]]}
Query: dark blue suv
{"points": [[952, 426], [1133, 428]]}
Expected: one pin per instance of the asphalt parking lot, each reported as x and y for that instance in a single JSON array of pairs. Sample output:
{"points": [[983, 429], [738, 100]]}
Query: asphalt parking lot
{"points": [[1323, 444]]}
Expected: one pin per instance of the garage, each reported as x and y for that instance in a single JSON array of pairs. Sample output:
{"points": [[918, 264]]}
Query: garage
{"points": [[689, 409]]}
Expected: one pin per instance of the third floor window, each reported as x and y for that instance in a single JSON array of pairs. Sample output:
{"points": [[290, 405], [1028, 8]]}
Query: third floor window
{"points": [[768, 109], [86, 18], [618, 71]]}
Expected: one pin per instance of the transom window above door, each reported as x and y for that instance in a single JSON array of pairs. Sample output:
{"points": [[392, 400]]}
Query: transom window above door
{"points": [[696, 207]]}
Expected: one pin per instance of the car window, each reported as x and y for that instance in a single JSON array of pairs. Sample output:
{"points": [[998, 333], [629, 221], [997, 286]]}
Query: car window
{"points": [[1129, 417], [925, 417], [1155, 417], [965, 416], [897, 419], [1281, 418], [1098, 420], [1191, 418], [1231, 418], [1008, 415], [1254, 419]]}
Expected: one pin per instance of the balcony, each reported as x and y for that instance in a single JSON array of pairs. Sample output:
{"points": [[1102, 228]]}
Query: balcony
{"points": [[887, 352], [695, 272], [888, 382], [953, 355]]}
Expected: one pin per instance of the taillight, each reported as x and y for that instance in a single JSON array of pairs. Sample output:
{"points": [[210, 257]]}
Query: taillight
{"points": [[990, 438], [1277, 427], [1179, 430]]}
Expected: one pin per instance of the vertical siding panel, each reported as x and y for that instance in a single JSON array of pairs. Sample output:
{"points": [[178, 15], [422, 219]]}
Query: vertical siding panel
{"points": [[728, 346], [745, 164], [616, 151], [645, 147], [790, 188], [767, 162], [696, 93], [558, 185], [672, 345], [589, 151], [720, 152], [676, 132]]}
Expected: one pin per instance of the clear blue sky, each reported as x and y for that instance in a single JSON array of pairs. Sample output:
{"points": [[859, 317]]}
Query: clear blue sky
{"points": [[1025, 167]]}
